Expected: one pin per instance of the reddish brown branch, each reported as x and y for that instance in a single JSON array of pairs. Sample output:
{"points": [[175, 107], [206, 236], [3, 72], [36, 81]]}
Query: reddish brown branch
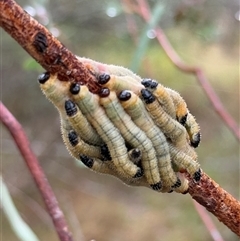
{"points": [[54, 57], [217, 201], [51, 54], [144, 11], [47, 194]]}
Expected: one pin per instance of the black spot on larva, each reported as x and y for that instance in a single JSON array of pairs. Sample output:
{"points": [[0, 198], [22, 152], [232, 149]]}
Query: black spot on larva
{"points": [[177, 183], [148, 97], [156, 186], [73, 138], [70, 108], [149, 83], [136, 153], [105, 153], [182, 120], [103, 78], [40, 42], [139, 173], [196, 140], [104, 92], [75, 88], [87, 161], [42, 78], [124, 95], [197, 175]]}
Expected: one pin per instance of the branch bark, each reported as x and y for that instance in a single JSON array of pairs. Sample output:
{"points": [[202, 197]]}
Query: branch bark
{"points": [[56, 58]]}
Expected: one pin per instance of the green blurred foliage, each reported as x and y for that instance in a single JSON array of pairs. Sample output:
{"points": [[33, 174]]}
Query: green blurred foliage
{"points": [[204, 33]]}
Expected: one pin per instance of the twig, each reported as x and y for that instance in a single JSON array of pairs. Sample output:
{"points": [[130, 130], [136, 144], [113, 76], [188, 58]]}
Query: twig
{"points": [[144, 11], [217, 201], [50, 53], [207, 192], [49, 198]]}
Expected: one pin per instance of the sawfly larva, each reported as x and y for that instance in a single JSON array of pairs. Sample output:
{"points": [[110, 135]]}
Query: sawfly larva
{"points": [[176, 107], [89, 105], [170, 127], [160, 92], [183, 162], [56, 91], [135, 137], [133, 105], [193, 130], [186, 118], [119, 83], [75, 144], [81, 124]]}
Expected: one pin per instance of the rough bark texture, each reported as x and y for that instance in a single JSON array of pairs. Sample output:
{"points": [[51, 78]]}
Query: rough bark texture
{"points": [[217, 201], [55, 58], [50, 53]]}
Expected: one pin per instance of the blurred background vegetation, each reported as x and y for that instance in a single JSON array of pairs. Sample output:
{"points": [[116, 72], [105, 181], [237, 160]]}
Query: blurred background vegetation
{"points": [[204, 33]]}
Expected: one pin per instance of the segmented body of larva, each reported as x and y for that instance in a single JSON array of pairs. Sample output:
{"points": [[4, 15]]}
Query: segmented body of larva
{"points": [[160, 92], [118, 83], [82, 126], [170, 127], [175, 106], [75, 145], [56, 91], [139, 142], [89, 105], [135, 108], [133, 136]]}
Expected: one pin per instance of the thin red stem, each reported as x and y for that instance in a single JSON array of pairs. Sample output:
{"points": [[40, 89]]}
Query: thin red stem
{"points": [[35, 169], [145, 12]]}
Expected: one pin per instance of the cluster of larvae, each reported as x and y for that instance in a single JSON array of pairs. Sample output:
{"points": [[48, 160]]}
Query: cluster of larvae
{"points": [[134, 129]]}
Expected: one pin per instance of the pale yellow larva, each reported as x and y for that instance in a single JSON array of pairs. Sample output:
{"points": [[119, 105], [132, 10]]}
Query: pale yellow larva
{"points": [[75, 144], [135, 108], [183, 162], [162, 95], [118, 83], [58, 93], [89, 105], [186, 118], [170, 127], [135, 137], [81, 124]]}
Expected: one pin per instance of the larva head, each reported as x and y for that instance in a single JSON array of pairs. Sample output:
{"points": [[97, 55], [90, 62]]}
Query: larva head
{"points": [[106, 80], [105, 153], [78, 91], [70, 108], [54, 89], [147, 96], [109, 98], [127, 98], [103, 78], [75, 88], [43, 77], [73, 138], [104, 92], [87, 161], [195, 140], [149, 83]]}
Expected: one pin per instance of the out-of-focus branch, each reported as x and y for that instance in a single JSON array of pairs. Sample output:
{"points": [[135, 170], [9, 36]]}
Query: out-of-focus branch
{"points": [[48, 196], [216, 236], [54, 57], [21, 229], [144, 11]]}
